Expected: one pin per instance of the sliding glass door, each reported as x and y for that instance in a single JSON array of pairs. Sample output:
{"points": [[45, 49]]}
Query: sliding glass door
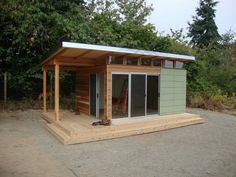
{"points": [[134, 95]]}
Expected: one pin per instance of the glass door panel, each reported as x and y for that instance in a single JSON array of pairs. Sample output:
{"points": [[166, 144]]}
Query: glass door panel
{"points": [[138, 94], [120, 95], [152, 95]]}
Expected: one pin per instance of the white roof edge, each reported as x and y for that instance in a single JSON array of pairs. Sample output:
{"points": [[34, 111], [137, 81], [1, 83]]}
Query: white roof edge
{"points": [[125, 50]]}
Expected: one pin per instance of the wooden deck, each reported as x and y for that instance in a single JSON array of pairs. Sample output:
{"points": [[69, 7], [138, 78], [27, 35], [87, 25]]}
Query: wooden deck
{"points": [[72, 129]]}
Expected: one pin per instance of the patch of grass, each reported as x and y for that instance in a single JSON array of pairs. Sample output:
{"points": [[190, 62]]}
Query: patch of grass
{"points": [[24, 104], [214, 102]]}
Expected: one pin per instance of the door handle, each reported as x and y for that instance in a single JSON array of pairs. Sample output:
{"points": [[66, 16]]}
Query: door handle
{"points": [[97, 95]]}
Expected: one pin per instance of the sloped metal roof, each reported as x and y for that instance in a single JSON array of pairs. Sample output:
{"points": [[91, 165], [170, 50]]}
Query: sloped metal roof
{"points": [[89, 51]]}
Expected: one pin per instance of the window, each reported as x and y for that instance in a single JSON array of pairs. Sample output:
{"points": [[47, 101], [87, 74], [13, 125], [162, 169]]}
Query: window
{"points": [[169, 64], [179, 65], [116, 60], [146, 62], [132, 61], [156, 62]]}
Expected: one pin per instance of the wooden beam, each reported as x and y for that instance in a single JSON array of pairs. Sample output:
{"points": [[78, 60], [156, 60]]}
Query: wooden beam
{"points": [[124, 61], [125, 55], [107, 94], [73, 59], [152, 58], [84, 53], [44, 90], [152, 62], [49, 59], [139, 62], [105, 55], [63, 68], [56, 97], [75, 64]]}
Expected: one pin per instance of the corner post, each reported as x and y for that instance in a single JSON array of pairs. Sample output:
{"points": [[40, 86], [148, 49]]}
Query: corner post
{"points": [[44, 89], [107, 94], [57, 70]]}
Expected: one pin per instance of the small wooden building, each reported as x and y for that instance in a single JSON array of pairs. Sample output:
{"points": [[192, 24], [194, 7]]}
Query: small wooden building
{"points": [[119, 84]]}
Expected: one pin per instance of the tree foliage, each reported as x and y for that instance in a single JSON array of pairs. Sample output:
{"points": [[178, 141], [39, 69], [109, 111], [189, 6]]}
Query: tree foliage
{"points": [[213, 72], [31, 30], [203, 30]]}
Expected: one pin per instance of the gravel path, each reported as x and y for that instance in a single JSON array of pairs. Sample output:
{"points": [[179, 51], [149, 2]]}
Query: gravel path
{"points": [[27, 149]]}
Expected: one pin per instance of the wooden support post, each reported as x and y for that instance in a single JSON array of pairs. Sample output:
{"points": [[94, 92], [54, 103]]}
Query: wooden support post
{"points": [[139, 61], [44, 90], [56, 97], [124, 61], [107, 94], [5, 89], [51, 91], [152, 62]]}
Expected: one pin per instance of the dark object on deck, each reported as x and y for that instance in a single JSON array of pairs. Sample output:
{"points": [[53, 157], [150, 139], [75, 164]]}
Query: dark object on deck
{"points": [[102, 122]]}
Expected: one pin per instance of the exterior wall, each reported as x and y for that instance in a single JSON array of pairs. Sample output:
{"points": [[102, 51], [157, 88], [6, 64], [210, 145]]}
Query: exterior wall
{"points": [[122, 69], [82, 92], [172, 87], [82, 84], [82, 87], [172, 91]]}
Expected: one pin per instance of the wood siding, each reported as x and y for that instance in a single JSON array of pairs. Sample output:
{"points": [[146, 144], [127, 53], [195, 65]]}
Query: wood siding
{"points": [[82, 84], [82, 87]]}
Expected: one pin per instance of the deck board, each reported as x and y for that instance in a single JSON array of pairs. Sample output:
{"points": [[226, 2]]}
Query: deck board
{"points": [[72, 129]]}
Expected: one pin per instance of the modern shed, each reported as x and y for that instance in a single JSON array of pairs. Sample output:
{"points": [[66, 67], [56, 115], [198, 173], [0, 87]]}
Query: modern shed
{"points": [[132, 88]]}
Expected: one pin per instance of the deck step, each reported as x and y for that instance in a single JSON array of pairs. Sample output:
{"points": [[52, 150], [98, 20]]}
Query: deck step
{"points": [[46, 117], [62, 127], [161, 121], [67, 136], [135, 130], [58, 133], [143, 124]]}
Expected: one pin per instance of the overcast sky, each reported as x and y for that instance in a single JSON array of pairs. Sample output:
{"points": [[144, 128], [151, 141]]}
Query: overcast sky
{"points": [[176, 13]]}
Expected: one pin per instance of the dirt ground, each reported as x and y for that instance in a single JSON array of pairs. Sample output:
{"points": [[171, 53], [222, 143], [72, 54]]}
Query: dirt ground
{"points": [[27, 149]]}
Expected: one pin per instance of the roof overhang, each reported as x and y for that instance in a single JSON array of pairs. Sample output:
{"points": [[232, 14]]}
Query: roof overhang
{"points": [[85, 52]]}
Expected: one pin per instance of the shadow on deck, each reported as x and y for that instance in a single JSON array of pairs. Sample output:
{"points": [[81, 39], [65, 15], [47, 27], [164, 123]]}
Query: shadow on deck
{"points": [[72, 129]]}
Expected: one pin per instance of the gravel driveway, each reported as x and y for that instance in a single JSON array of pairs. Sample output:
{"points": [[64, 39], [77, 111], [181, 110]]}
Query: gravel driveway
{"points": [[27, 149]]}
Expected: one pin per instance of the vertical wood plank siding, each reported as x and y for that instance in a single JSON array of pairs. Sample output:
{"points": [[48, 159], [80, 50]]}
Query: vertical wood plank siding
{"points": [[82, 87], [82, 84]]}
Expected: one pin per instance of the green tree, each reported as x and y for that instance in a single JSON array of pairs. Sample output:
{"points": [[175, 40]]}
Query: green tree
{"points": [[120, 23], [135, 11], [30, 30], [203, 30]]}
